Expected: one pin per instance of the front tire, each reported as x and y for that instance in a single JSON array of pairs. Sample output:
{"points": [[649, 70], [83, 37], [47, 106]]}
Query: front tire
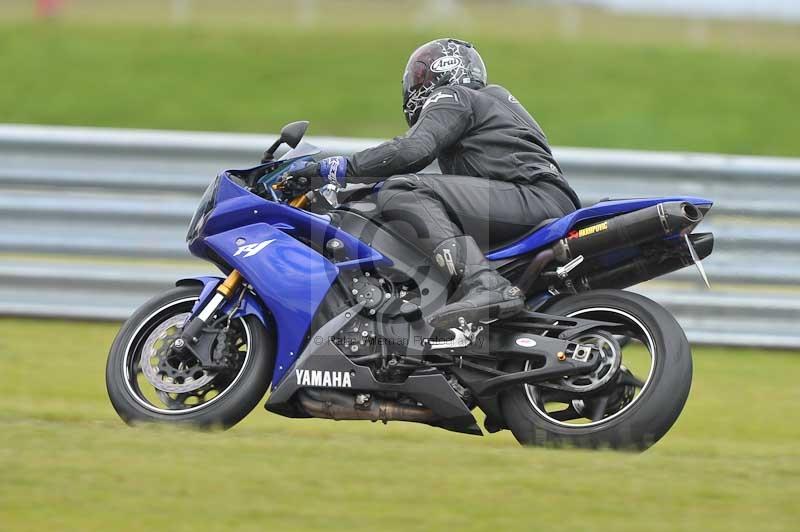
{"points": [[641, 418], [191, 394]]}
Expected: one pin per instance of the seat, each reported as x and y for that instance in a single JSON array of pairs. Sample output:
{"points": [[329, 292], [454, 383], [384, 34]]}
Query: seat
{"points": [[530, 232]]}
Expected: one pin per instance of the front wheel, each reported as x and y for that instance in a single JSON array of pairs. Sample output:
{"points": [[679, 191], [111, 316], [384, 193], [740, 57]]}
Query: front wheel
{"points": [[630, 401], [146, 381]]}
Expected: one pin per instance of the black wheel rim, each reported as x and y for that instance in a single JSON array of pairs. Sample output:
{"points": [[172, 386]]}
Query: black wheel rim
{"points": [[612, 398], [184, 387]]}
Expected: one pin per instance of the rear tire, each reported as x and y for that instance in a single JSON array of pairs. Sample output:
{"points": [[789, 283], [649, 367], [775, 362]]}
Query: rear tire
{"points": [[648, 416], [228, 407]]}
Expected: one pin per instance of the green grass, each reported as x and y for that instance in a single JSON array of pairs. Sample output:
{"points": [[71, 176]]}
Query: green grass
{"points": [[67, 463], [345, 78]]}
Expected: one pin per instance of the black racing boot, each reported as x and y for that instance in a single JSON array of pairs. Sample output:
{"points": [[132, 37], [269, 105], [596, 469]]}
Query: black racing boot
{"points": [[482, 293]]}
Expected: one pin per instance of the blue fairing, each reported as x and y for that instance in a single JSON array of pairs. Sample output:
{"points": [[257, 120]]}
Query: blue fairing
{"points": [[237, 207], [290, 278], [561, 227]]}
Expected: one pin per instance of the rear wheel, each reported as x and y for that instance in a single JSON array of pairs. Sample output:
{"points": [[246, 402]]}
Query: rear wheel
{"points": [[634, 396], [146, 381]]}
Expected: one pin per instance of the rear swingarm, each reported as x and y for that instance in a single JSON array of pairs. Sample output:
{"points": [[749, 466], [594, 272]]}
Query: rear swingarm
{"points": [[548, 323], [551, 358]]}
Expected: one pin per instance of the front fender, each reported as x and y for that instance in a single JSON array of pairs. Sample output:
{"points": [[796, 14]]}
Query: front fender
{"points": [[250, 305]]}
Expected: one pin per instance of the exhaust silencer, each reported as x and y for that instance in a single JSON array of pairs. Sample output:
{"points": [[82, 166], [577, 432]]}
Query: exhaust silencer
{"points": [[627, 230], [646, 268]]}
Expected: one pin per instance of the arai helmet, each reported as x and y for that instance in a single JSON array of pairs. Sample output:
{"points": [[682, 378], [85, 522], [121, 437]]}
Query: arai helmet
{"points": [[437, 64]]}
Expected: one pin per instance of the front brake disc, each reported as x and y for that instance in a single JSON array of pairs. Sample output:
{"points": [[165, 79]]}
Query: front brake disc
{"points": [[167, 371]]}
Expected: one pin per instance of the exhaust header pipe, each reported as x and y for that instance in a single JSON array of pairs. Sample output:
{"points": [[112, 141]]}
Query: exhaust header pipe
{"points": [[331, 404], [628, 229]]}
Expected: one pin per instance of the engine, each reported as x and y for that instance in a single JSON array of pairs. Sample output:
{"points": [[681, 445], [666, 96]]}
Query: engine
{"points": [[378, 336]]}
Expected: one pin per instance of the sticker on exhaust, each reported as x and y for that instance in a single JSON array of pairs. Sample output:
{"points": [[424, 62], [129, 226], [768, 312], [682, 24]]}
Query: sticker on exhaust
{"points": [[586, 231]]}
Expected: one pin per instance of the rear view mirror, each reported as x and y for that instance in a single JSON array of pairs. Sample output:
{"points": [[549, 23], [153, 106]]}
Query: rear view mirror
{"points": [[292, 134]]}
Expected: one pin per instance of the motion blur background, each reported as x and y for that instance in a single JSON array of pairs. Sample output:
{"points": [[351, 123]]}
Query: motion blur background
{"points": [[82, 212]]}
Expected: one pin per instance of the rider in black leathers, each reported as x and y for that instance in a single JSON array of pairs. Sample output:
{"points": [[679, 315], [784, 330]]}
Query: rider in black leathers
{"points": [[499, 176]]}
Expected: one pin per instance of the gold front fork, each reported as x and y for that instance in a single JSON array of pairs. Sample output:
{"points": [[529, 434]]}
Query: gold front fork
{"points": [[193, 330], [230, 284]]}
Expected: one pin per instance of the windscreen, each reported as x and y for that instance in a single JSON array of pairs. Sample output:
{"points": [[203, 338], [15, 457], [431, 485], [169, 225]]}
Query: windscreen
{"points": [[304, 149]]}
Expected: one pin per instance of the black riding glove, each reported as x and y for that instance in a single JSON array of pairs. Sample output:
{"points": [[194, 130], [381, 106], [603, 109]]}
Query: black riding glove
{"points": [[329, 171]]}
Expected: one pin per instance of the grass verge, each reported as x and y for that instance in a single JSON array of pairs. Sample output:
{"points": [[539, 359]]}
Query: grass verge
{"points": [[730, 463]]}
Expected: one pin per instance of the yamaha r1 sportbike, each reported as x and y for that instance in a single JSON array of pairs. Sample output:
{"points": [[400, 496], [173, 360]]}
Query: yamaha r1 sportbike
{"points": [[327, 305]]}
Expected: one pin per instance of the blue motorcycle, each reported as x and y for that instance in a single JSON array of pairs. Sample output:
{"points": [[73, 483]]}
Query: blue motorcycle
{"points": [[325, 305]]}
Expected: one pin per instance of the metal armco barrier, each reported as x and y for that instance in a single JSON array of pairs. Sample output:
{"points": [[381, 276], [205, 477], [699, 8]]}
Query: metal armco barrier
{"points": [[92, 222]]}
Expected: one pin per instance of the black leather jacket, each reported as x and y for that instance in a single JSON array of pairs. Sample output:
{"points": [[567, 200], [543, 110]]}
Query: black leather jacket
{"points": [[481, 132]]}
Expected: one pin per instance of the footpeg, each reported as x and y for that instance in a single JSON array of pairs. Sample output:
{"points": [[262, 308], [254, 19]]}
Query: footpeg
{"points": [[463, 336], [466, 328]]}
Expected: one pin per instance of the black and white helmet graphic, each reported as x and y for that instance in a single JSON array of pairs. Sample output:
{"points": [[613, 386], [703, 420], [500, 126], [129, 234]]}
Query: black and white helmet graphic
{"points": [[437, 64]]}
